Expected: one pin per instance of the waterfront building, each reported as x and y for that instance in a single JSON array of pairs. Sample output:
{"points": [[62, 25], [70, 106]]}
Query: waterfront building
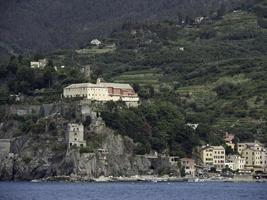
{"points": [[189, 165], [235, 162], [254, 154], [213, 156]]}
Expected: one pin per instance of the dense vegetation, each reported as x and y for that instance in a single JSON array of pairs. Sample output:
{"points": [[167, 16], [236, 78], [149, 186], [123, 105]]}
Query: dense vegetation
{"points": [[41, 26], [212, 73]]}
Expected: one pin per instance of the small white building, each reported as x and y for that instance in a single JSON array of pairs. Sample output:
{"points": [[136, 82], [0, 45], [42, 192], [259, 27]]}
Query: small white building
{"points": [[75, 135], [41, 63], [95, 42], [193, 126]]}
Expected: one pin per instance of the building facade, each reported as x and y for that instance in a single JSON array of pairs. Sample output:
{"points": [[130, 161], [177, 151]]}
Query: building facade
{"points": [[228, 138], [75, 135], [213, 156], [189, 165], [254, 155], [235, 162], [103, 92]]}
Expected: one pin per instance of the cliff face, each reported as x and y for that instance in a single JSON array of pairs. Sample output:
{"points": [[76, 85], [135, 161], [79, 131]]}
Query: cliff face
{"points": [[43, 153]]}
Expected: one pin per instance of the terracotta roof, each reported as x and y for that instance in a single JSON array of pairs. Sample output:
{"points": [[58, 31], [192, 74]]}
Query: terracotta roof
{"points": [[100, 85]]}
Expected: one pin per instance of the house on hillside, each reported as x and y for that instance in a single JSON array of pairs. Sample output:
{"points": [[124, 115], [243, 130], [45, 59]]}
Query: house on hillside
{"points": [[95, 42], [103, 92], [229, 140], [41, 63]]}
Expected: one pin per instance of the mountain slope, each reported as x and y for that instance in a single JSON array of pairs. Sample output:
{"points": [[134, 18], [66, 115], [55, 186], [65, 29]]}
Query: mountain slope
{"points": [[39, 26]]}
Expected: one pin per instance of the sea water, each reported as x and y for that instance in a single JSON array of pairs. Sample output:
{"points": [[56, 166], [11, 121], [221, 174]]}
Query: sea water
{"points": [[132, 191]]}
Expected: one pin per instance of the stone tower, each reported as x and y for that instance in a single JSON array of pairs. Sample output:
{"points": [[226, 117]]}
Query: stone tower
{"points": [[87, 72]]}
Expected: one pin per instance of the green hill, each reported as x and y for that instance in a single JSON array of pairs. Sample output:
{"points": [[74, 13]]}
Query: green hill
{"points": [[211, 72]]}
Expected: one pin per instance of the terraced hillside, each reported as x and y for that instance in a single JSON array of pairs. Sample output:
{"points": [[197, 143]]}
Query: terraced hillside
{"points": [[211, 72], [217, 71]]}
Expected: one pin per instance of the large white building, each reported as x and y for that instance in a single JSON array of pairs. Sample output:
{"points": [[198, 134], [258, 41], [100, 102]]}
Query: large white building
{"points": [[102, 91], [75, 133]]}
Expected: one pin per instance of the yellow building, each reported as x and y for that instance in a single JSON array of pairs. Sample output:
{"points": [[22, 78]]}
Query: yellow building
{"points": [[254, 154], [254, 145], [213, 156]]}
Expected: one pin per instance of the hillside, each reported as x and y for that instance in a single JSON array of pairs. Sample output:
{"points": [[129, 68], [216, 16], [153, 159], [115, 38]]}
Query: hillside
{"points": [[32, 26], [212, 73]]}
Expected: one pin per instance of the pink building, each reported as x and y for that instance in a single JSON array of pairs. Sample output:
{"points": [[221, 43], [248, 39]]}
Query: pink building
{"points": [[189, 166]]}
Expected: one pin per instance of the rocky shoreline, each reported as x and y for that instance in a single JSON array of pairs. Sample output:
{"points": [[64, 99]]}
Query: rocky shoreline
{"points": [[148, 178]]}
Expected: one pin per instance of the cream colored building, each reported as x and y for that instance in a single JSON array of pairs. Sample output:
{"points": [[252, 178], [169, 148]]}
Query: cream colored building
{"points": [[75, 135], [213, 156], [254, 154], [235, 162], [254, 145], [103, 92], [206, 155]]}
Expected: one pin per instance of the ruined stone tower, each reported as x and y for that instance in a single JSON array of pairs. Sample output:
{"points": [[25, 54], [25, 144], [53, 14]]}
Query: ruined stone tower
{"points": [[87, 72]]}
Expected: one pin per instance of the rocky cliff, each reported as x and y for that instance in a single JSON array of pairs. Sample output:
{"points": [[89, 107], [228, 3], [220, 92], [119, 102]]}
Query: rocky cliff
{"points": [[39, 150]]}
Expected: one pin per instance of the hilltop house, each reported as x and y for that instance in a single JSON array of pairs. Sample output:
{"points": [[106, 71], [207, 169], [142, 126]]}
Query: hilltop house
{"points": [[103, 92], [41, 63], [75, 133], [213, 156], [95, 42]]}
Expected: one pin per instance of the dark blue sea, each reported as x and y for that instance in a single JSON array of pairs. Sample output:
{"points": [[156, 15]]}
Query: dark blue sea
{"points": [[132, 191]]}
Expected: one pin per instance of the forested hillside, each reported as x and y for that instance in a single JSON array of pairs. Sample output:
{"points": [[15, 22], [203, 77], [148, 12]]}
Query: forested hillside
{"points": [[41, 26], [212, 73]]}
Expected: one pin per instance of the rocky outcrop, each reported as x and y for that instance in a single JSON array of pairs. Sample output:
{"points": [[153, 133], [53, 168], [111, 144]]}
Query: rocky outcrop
{"points": [[38, 155]]}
